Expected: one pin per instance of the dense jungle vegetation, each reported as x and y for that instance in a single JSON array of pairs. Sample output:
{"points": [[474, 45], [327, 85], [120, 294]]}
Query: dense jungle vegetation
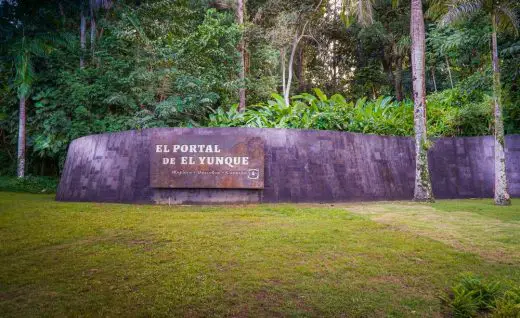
{"points": [[86, 67]]}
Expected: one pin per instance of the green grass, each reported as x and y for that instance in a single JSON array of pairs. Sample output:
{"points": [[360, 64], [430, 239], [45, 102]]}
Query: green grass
{"points": [[29, 184], [477, 225], [482, 207], [89, 259]]}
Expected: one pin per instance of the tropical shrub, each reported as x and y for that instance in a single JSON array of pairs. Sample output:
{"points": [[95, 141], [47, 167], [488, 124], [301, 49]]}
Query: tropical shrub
{"points": [[508, 305], [464, 113], [382, 116], [471, 296]]}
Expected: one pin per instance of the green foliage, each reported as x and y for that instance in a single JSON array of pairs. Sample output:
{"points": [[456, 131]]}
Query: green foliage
{"points": [[450, 113], [453, 112], [471, 296], [463, 302], [508, 305], [308, 111], [159, 64], [30, 184]]}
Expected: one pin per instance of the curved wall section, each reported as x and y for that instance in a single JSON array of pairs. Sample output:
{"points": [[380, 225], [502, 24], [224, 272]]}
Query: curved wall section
{"points": [[300, 166]]}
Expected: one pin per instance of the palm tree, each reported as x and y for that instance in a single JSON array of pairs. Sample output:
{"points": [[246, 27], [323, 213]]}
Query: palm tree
{"points": [[24, 79], [241, 48], [503, 17], [22, 56], [23, 52], [423, 186], [360, 10]]}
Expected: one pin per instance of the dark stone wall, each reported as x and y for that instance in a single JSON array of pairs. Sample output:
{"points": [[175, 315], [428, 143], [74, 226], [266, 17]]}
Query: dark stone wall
{"points": [[300, 166]]}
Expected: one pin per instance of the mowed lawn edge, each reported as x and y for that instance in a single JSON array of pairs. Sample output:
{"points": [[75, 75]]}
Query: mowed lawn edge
{"points": [[473, 225], [91, 259]]}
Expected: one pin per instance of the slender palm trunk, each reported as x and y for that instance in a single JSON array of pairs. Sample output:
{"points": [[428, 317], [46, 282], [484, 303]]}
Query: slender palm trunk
{"points": [[282, 61], [423, 187], [241, 49], [92, 28], [82, 38], [501, 192], [21, 138]]}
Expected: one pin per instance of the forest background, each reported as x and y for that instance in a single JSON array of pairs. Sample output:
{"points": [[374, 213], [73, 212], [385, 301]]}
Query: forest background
{"points": [[86, 67]]}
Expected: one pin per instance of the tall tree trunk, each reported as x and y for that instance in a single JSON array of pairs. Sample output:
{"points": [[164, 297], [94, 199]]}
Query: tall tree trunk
{"points": [[21, 138], [92, 28], [398, 79], [241, 49], [282, 61], [297, 38], [82, 38], [290, 69], [433, 77], [423, 186], [449, 70], [501, 192]]}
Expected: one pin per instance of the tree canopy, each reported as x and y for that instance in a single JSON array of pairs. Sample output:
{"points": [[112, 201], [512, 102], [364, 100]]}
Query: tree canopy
{"points": [[86, 67]]}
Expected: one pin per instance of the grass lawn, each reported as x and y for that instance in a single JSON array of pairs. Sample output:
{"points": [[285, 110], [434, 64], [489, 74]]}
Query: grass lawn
{"points": [[355, 260]]}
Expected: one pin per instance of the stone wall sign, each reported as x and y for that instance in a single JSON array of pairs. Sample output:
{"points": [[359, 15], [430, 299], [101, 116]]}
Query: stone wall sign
{"points": [[207, 162]]}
